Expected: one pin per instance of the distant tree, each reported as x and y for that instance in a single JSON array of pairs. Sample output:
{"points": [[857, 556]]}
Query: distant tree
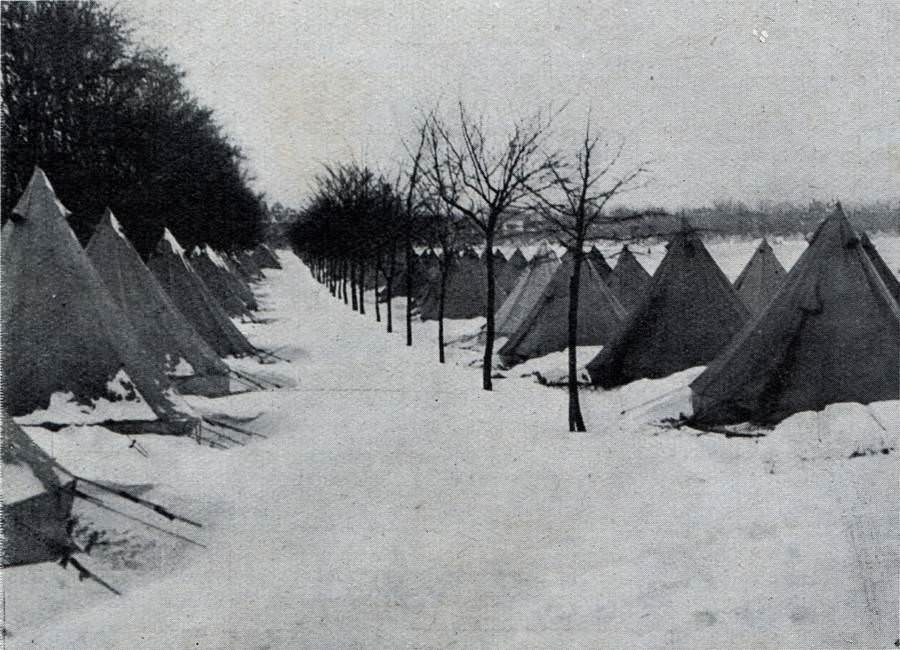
{"points": [[386, 237], [348, 226], [377, 232], [112, 125]]}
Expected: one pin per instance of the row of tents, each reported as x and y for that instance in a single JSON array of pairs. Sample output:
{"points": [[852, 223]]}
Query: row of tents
{"points": [[775, 342], [96, 336]]}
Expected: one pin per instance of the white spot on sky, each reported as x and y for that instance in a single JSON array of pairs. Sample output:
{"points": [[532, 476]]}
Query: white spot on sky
{"points": [[761, 34]]}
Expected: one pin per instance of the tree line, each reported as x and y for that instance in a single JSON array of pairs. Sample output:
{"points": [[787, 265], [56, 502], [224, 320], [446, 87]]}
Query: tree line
{"points": [[730, 217], [112, 124], [460, 181]]}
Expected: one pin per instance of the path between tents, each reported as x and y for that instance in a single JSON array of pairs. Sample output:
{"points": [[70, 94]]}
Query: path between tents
{"points": [[395, 504]]}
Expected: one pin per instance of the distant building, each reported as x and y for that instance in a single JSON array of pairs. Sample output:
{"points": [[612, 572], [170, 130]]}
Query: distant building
{"points": [[521, 223]]}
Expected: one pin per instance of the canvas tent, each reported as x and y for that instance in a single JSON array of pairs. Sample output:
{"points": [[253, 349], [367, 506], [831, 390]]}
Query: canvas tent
{"points": [[37, 502], [689, 312], [760, 279], [240, 283], [499, 259], [511, 271], [599, 262], [265, 257], [465, 291], [890, 280], [219, 280], [69, 354], [429, 269], [246, 267], [545, 328], [527, 291], [830, 334], [629, 279], [168, 339], [193, 299], [419, 277], [500, 290]]}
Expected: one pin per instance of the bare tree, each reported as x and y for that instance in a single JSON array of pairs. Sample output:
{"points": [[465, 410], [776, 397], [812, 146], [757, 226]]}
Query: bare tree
{"points": [[444, 232], [350, 223], [574, 208], [413, 178], [483, 178], [387, 265], [386, 248], [444, 227]]}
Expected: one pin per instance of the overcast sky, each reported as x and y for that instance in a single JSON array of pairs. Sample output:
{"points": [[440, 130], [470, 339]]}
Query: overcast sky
{"points": [[771, 100]]}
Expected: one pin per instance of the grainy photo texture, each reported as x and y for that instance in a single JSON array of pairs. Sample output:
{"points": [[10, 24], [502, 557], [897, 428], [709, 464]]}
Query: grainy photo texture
{"points": [[492, 324]]}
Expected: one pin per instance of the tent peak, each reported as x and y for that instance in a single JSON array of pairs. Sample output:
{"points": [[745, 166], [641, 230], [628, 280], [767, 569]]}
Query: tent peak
{"points": [[114, 223], [544, 250], [214, 257], [38, 191], [169, 239], [837, 224]]}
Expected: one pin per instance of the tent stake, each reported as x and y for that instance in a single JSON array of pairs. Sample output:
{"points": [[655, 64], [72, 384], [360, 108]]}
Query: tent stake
{"points": [[104, 506]]}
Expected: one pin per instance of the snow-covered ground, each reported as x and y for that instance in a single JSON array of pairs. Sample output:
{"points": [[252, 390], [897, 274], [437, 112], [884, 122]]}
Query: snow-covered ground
{"points": [[394, 504]]}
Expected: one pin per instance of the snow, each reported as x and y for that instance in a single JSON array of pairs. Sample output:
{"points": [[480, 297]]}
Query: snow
{"points": [[117, 226], [121, 386], [179, 368], [63, 407], [173, 243], [394, 504], [216, 259], [554, 367], [19, 483]]}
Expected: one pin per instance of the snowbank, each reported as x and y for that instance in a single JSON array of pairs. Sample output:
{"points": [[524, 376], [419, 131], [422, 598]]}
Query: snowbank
{"points": [[63, 407]]}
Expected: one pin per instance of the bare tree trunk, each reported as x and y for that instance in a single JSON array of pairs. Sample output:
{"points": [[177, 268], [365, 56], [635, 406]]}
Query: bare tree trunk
{"points": [[338, 278], [486, 381], [344, 281], [409, 263], [390, 291], [441, 296], [390, 311], [362, 288], [353, 285], [576, 421], [335, 285], [377, 301], [331, 273]]}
